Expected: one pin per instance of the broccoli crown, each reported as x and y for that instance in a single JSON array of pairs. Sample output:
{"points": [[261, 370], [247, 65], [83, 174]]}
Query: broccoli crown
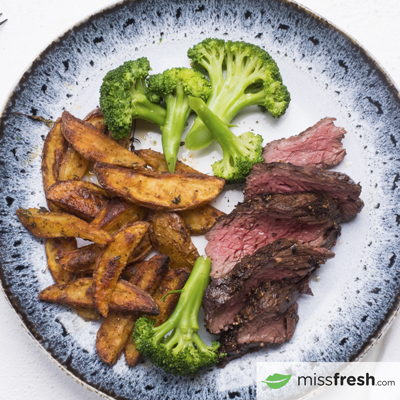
{"points": [[206, 53], [237, 162], [239, 153], [123, 98], [182, 352], [252, 78], [192, 82]]}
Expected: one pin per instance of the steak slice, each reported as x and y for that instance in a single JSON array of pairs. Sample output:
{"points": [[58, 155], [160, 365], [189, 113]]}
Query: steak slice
{"points": [[270, 300], [318, 146], [288, 178], [285, 259], [241, 234], [275, 330], [308, 208]]}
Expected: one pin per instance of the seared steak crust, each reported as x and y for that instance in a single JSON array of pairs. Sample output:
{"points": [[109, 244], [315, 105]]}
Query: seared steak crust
{"points": [[283, 259], [318, 146], [273, 331], [306, 208], [288, 178]]}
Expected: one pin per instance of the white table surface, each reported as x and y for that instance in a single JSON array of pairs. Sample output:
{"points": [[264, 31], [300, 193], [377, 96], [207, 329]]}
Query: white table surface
{"points": [[26, 372]]}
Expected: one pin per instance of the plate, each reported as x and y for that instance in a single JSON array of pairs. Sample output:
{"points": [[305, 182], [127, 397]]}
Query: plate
{"points": [[327, 73]]}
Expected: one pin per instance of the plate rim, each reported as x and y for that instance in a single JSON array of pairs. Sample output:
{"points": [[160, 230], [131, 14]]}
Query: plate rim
{"points": [[389, 317]]}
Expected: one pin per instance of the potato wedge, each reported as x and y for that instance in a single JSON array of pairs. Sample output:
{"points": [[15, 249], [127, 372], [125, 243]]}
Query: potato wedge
{"points": [[73, 166], [96, 118], [200, 220], [174, 280], [171, 236], [159, 191], [55, 248], [156, 161], [52, 224], [81, 198], [117, 214], [54, 150], [142, 249], [83, 260], [113, 260], [158, 263], [94, 145], [117, 328], [125, 298]]}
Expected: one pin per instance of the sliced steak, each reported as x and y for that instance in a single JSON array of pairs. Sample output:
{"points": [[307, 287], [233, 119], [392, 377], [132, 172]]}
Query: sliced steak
{"points": [[284, 259], [241, 234], [270, 300], [236, 342], [288, 178], [318, 146], [308, 208]]}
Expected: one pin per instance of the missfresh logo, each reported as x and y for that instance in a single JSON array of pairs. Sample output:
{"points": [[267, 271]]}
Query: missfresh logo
{"points": [[277, 381]]}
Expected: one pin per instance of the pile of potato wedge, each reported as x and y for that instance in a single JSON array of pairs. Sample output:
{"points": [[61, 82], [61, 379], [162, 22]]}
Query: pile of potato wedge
{"points": [[138, 207]]}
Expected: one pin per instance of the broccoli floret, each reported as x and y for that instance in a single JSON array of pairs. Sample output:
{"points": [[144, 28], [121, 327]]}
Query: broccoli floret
{"points": [[182, 352], [240, 153], [123, 98], [252, 78], [174, 86]]}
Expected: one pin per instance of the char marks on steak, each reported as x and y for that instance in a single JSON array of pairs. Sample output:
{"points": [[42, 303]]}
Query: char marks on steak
{"points": [[242, 233], [286, 178], [284, 259], [318, 146], [307, 208], [272, 331]]}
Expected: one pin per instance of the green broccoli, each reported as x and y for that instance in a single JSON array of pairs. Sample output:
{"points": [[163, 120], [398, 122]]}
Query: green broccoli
{"points": [[174, 86], [252, 78], [240, 152], [182, 352], [123, 98]]}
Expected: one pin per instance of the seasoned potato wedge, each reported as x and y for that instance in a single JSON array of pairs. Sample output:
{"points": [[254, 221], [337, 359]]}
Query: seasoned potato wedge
{"points": [[171, 236], [174, 280], [117, 328], [54, 150], [73, 166], [55, 249], [52, 224], [150, 273], [158, 263], [200, 220], [142, 249], [117, 214], [113, 260], [113, 335], [96, 118], [83, 260], [159, 191], [81, 198], [156, 161], [94, 145], [125, 298]]}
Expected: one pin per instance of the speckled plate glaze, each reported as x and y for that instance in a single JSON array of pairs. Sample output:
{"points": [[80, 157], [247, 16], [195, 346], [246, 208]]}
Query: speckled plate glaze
{"points": [[327, 73]]}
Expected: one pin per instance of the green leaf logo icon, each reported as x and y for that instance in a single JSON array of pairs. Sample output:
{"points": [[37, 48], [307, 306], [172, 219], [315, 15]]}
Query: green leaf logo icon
{"points": [[276, 381]]}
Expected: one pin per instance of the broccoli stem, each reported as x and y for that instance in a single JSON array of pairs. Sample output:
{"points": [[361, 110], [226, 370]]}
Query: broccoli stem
{"points": [[229, 143], [143, 108], [184, 318], [177, 113]]}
